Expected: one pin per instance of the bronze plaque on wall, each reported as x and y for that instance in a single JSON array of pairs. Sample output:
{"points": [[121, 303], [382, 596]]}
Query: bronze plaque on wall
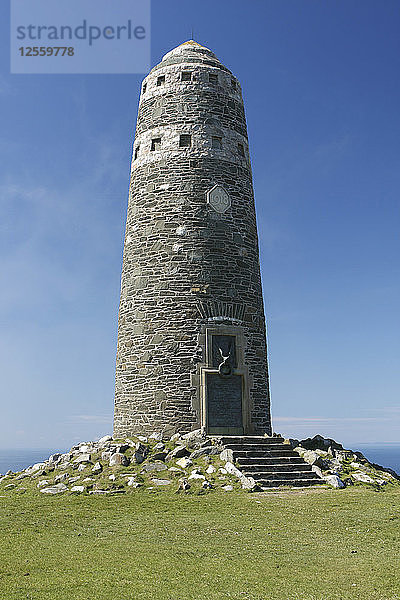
{"points": [[224, 404]]}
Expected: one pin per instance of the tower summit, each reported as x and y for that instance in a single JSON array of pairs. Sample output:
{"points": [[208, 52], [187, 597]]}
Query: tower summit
{"points": [[191, 329]]}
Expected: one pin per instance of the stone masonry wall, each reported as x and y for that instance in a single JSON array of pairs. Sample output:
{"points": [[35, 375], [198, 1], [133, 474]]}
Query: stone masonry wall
{"points": [[186, 265]]}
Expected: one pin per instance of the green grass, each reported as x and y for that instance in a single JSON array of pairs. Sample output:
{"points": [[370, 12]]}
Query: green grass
{"points": [[325, 544]]}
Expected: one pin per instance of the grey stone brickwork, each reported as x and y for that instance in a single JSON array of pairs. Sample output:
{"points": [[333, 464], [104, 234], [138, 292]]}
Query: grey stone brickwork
{"points": [[190, 265]]}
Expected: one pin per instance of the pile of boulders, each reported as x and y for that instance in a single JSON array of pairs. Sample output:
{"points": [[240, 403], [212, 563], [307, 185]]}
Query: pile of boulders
{"points": [[190, 462], [340, 467]]}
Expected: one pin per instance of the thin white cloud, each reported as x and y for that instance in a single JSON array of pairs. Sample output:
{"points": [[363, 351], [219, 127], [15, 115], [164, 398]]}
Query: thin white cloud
{"points": [[313, 419], [93, 418]]}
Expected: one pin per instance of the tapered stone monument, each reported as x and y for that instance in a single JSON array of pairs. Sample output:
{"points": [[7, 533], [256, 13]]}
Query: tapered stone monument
{"points": [[191, 330]]}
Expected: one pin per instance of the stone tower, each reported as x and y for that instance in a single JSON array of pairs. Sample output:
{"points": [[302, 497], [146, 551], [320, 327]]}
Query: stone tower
{"points": [[191, 330]]}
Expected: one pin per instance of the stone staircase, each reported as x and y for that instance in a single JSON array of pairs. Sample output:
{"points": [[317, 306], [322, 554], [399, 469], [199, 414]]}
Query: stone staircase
{"points": [[270, 462]]}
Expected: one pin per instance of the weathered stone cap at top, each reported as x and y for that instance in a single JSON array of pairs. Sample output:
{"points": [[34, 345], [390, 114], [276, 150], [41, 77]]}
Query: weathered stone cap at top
{"points": [[190, 52]]}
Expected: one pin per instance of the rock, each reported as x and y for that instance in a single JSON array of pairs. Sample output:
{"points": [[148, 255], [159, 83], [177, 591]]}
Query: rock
{"points": [[226, 455], [73, 479], [205, 451], [381, 481], [106, 455], [159, 456], [321, 453], [156, 436], [195, 438], [196, 476], [392, 473], [159, 446], [42, 483], [309, 456], [206, 485], [161, 481], [210, 469], [35, 468], [118, 459], [21, 476], [138, 458], [54, 457], [321, 443], [97, 468], [78, 488], [64, 465], [82, 458], [363, 477], [120, 448], [141, 448], [85, 449], [104, 441], [62, 477], [317, 470], [248, 483], [184, 484], [10, 486], [142, 438], [332, 464], [175, 470], [55, 489], [230, 468], [356, 465], [81, 467], [87, 480], [184, 462], [174, 438], [227, 488], [112, 477], [133, 483], [222, 470], [177, 452], [99, 492], [334, 481], [156, 466], [342, 455]]}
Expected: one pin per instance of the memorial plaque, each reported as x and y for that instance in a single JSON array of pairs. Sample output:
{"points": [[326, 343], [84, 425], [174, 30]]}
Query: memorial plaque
{"points": [[224, 403]]}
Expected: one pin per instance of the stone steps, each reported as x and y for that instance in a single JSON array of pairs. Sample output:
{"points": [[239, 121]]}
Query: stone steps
{"points": [[270, 462], [297, 483], [273, 468], [266, 452]]}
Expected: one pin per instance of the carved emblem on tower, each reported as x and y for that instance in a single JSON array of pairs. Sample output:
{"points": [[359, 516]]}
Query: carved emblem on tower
{"points": [[218, 199]]}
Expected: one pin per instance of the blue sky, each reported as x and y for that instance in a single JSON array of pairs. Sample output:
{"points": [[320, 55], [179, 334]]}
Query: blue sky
{"points": [[322, 94]]}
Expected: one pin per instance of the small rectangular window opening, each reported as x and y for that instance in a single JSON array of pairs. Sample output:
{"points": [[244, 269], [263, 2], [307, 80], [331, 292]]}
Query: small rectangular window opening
{"points": [[161, 80], [241, 150], [186, 76], [137, 152], [213, 78], [217, 142], [144, 88], [155, 144], [185, 140]]}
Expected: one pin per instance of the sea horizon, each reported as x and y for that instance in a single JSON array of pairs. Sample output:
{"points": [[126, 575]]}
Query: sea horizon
{"points": [[17, 459]]}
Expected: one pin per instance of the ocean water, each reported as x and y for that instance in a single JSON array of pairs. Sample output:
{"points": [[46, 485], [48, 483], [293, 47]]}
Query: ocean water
{"points": [[16, 460], [386, 456]]}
